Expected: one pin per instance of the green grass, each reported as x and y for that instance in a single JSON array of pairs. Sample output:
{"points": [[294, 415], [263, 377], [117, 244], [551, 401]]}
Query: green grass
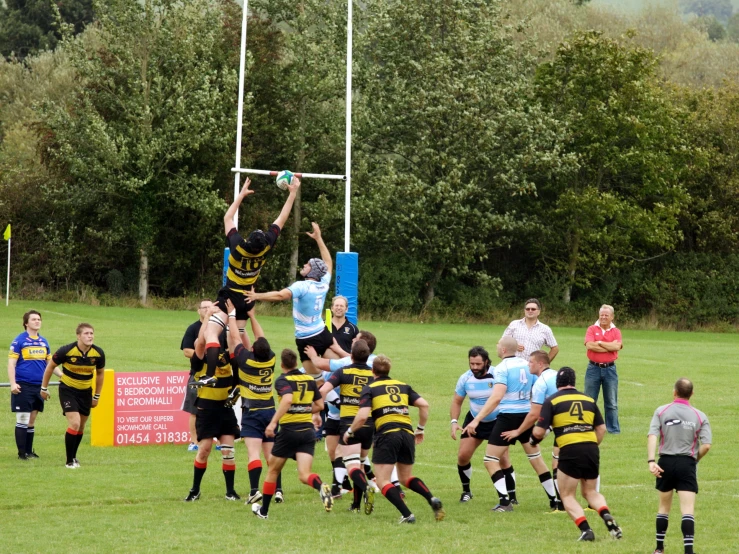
{"points": [[130, 498]]}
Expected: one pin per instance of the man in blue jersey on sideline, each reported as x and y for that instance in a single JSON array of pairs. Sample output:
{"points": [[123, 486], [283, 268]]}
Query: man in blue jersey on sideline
{"points": [[544, 387], [477, 384], [308, 298], [27, 359], [512, 392]]}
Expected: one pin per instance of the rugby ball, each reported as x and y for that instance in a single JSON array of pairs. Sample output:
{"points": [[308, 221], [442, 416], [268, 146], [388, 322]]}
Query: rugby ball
{"points": [[283, 179]]}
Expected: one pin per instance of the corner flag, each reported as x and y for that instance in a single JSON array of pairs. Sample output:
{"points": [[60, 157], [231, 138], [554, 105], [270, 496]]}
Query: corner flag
{"points": [[6, 235]]}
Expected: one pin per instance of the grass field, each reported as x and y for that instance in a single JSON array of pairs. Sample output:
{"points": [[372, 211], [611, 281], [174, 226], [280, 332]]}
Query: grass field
{"points": [[129, 499]]}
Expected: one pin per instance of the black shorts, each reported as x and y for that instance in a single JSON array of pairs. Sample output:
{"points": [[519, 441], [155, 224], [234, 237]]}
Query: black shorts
{"points": [[398, 447], [362, 436], [191, 395], [331, 427], [255, 422], [216, 423], [580, 460], [28, 399], [321, 342], [289, 442], [75, 400], [239, 302], [508, 422], [484, 429], [679, 474]]}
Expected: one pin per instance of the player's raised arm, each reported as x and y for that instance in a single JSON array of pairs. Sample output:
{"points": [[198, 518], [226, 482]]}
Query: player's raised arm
{"points": [[288, 206], [272, 296], [322, 248], [228, 219]]}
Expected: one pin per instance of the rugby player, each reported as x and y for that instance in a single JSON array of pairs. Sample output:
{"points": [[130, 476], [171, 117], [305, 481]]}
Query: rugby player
{"points": [[579, 428], [544, 387], [245, 261], [308, 297], [215, 419], [512, 392], [350, 380], [29, 353], [477, 384], [256, 368], [299, 398], [79, 360], [385, 401]]}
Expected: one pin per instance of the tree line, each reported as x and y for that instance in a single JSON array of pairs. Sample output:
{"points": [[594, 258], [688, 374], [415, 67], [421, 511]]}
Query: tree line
{"points": [[498, 154]]}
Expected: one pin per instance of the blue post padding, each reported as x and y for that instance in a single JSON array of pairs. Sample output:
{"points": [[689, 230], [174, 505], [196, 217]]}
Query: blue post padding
{"points": [[226, 254], [347, 281]]}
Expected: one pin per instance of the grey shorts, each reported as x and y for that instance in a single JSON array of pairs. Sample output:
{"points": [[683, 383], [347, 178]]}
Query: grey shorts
{"points": [[191, 394]]}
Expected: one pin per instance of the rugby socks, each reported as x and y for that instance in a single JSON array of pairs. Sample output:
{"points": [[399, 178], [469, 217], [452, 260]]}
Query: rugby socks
{"points": [[367, 468], [546, 481], [418, 486], [582, 523], [255, 472], [314, 480], [268, 491], [392, 493], [556, 486], [360, 484], [510, 482], [339, 470], [279, 481], [21, 438], [199, 471], [688, 528], [212, 349], [71, 443], [603, 512], [229, 474], [500, 486], [662, 521], [29, 440], [465, 474]]}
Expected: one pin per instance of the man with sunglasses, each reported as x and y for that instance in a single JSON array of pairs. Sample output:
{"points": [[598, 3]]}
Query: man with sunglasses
{"points": [[530, 333]]}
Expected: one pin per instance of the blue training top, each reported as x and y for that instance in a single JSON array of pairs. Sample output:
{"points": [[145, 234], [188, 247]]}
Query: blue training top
{"points": [[308, 299], [479, 390], [545, 386], [32, 354], [514, 373]]}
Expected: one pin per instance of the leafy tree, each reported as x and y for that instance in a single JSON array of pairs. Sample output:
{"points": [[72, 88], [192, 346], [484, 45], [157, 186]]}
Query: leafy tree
{"points": [[622, 203], [720, 9], [450, 136], [30, 26], [140, 146]]}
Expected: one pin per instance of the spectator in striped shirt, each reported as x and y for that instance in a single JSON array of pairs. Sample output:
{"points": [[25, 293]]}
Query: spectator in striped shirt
{"points": [[530, 333]]}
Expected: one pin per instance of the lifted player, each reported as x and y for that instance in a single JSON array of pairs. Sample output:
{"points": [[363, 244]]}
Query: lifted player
{"points": [[244, 264]]}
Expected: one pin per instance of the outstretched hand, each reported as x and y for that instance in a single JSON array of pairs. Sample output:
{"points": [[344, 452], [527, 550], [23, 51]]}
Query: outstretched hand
{"points": [[316, 234], [294, 185], [245, 190]]}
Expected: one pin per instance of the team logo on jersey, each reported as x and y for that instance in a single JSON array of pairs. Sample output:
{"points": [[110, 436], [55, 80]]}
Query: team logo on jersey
{"points": [[490, 385], [73, 360], [671, 422]]}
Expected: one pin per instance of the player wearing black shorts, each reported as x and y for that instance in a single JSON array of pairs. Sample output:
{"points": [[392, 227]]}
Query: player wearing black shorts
{"points": [[256, 368], [477, 384], [244, 264], [579, 428], [296, 439], [80, 361], [350, 380], [385, 402], [215, 420]]}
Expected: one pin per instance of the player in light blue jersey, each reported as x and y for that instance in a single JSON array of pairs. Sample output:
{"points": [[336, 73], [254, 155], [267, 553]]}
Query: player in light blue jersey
{"points": [[477, 385], [308, 297], [544, 387], [512, 392]]}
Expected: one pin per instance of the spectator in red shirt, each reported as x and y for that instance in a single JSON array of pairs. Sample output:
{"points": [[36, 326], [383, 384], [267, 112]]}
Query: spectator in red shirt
{"points": [[603, 341]]}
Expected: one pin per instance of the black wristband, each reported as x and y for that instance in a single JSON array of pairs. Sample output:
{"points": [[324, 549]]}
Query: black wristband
{"points": [[650, 461]]}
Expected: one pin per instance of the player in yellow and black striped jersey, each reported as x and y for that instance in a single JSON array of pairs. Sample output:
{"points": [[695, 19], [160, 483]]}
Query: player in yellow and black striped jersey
{"points": [[299, 400], [350, 381], [245, 261], [256, 367], [79, 362], [215, 420], [387, 401], [579, 428]]}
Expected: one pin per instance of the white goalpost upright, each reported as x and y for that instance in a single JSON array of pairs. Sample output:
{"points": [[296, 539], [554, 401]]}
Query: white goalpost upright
{"points": [[347, 262]]}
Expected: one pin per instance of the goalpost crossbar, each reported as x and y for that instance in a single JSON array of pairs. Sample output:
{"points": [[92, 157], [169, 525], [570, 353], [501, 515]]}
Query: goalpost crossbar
{"points": [[299, 175]]}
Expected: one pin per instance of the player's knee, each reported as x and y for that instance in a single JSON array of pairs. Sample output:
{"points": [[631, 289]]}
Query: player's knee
{"points": [[533, 457], [351, 459], [227, 453], [217, 320], [491, 459], [23, 418]]}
